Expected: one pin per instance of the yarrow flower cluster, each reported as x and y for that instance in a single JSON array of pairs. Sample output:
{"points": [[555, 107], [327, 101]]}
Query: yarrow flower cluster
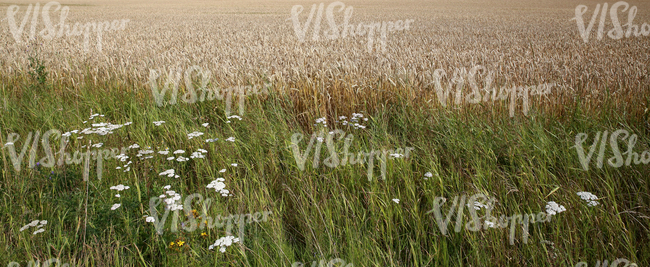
{"points": [[199, 154], [219, 186], [233, 116], [169, 173], [172, 199], [194, 134], [589, 197], [223, 243], [119, 188], [158, 123], [428, 175], [322, 120], [102, 128], [553, 208], [36, 224], [354, 121]]}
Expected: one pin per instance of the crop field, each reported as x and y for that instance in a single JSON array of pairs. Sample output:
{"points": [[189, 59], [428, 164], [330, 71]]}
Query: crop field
{"points": [[340, 133]]}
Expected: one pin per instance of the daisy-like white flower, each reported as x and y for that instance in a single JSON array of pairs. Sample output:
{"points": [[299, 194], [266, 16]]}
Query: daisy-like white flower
{"points": [[589, 197], [219, 186], [179, 151], [34, 223], [134, 146], [181, 159], [194, 134], [168, 173], [119, 187], [197, 155], [396, 200], [122, 157], [205, 124], [223, 243], [150, 219], [357, 126], [231, 139], [553, 208], [115, 206], [98, 145], [322, 120], [158, 123]]}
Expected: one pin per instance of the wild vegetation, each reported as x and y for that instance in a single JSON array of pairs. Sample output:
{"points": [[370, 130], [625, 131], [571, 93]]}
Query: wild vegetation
{"points": [[526, 160]]}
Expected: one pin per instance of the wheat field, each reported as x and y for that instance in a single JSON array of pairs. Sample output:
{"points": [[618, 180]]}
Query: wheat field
{"points": [[520, 152]]}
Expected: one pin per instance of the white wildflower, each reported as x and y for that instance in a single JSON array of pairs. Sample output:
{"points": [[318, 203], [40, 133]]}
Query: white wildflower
{"points": [[553, 208]]}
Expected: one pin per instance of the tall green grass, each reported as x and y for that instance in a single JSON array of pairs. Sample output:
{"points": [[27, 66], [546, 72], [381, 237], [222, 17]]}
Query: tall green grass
{"points": [[323, 213]]}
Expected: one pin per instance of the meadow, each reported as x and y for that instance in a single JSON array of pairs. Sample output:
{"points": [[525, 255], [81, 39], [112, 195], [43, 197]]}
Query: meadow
{"points": [[431, 87]]}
